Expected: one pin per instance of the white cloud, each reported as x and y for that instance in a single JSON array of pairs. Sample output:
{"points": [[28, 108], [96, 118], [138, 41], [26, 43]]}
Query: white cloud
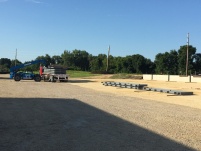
{"points": [[3, 1], [34, 1]]}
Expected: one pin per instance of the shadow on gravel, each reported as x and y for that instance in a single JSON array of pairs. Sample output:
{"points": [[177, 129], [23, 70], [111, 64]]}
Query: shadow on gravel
{"points": [[5, 78], [80, 81], [68, 124]]}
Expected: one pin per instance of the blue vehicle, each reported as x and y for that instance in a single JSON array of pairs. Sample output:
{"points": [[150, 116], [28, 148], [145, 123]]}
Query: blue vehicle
{"points": [[17, 76]]}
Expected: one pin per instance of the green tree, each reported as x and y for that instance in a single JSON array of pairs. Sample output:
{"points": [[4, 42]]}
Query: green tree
{"points": [[4, 69], [57, 59], [15, 62], [197, 63], [173, 62], [84, 60], [159, 62], [98, 63], [81, 59], [139, 63], [47, 59], [127, 65], [94, 64], [6, 62], [150, 66], [5, 65], [118, 61], [111, 64], [67, 59], [166, 63]]}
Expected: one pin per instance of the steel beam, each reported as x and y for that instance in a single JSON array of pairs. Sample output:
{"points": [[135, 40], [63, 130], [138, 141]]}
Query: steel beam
{"points": [[144, 87]]}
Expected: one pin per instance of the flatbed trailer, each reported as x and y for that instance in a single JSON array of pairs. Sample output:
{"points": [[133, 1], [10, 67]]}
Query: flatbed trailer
{"points": [[55, 77]]}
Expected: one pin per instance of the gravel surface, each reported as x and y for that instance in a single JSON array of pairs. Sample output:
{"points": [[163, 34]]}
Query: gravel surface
{"points": [[62, 116]]}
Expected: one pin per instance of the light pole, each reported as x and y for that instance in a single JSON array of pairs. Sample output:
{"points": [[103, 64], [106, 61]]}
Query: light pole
{"points": [[187, 54], [108, 54], [15, 57]]}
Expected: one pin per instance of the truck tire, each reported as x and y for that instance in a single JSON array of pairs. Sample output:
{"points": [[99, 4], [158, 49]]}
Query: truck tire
{"points": [[37, 78], [17, 77]]}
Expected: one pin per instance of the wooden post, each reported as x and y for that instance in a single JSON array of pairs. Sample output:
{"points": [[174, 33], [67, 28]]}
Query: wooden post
{"points": [[187, 54], [108, 54], [16, 57]]}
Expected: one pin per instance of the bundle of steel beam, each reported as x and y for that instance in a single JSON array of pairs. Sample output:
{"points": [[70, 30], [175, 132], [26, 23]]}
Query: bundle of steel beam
{"points": [[54, 69], [145, 88], [176, 92], [125, 85]]}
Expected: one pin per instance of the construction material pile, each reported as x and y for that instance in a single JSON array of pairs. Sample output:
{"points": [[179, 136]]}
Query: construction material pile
{"points": [[54, 69], [54, 73], [145, 88]]}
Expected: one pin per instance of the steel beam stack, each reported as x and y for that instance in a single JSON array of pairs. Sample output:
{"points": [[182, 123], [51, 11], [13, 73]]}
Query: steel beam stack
{"points": [[145, 88], [176, 92], [125, 85], [54, 69]]}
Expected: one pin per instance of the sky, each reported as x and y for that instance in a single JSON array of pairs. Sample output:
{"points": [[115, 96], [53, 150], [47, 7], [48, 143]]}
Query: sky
{"points": [[146, 27]]}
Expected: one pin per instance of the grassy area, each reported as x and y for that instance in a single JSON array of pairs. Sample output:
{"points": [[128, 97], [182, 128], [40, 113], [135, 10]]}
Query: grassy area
{"points": [[76, 74], [79, 74], [126, 76]]}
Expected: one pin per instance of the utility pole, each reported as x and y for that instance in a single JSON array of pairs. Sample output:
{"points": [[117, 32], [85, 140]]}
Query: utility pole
{"points": [[187, 54], [16, 57], [108, 54]]}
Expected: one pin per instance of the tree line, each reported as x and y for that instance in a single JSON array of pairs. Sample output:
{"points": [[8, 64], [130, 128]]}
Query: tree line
{"points": [[172, 62]]}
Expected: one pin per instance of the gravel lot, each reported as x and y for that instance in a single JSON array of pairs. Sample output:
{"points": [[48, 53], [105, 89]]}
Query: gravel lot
{"points": [[85, 115]]}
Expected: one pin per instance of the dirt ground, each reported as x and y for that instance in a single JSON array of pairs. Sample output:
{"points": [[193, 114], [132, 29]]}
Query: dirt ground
{"points": [[83, 114], [185, 100]]}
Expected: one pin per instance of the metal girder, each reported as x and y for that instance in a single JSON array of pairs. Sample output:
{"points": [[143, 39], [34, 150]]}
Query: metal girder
{"points": [[144, 87], [176, 92], [124, 85]]}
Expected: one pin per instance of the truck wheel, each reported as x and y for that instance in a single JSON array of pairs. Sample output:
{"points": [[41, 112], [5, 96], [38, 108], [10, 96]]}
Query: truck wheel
{"points": [[37, 78], [17, 77]]}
